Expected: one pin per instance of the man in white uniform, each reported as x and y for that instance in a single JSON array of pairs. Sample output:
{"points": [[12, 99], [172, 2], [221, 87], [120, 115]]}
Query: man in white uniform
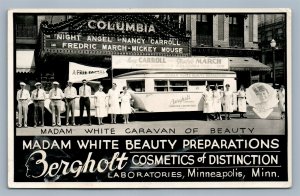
{"points": [[85, 92], [23, 97], [38, 96], [70, 95], [56, 95]]}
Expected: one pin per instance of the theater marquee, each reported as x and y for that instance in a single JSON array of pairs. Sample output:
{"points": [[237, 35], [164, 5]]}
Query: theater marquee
{"points": [[114, 45]]}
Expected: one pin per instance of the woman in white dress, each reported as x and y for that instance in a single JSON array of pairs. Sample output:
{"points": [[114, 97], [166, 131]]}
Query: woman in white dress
{"points": [[208, 102], [113, 103], [242, 105], [281, 103], [100, 104], [217, 95], [228, 102], [125, 104]]}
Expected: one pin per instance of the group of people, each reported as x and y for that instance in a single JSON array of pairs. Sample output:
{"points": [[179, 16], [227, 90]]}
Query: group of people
{"points": [[110, 103], [217, 101], [104, 103]]}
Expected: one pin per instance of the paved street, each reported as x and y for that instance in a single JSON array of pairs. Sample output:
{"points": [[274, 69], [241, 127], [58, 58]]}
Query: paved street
{"points": [[164, 125]]}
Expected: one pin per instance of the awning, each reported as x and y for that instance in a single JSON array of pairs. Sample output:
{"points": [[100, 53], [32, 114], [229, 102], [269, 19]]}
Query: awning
{"points": [[25, 61], [247, 64]]}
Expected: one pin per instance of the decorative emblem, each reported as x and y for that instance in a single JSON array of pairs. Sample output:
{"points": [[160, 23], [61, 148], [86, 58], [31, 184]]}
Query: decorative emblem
{"points": [[262, 97]]}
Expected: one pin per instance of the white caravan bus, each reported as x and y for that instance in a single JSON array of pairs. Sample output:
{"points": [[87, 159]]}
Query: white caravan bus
{"points": [[172, 90], [176, 88]]}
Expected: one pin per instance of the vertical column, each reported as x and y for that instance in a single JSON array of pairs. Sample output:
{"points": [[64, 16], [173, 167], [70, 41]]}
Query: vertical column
{"points": [[215, 31], [251, 31], [246, 31], [193, 29], [250, 28], [39, 20], [255, 28], [220, 31], [226, 31], [188, 22]]}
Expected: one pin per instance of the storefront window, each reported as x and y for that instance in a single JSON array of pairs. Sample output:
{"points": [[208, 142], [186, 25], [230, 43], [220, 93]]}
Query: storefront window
{"points": [[46, 80]]}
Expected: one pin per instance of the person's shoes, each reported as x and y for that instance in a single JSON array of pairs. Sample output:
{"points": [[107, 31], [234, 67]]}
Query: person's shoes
{"points": [[102, 123], [53, 124], [34, 126], [25, 126], [67, 124], [59, 125], [74, 124], [42, 125], [19, 126], [90, 124]]}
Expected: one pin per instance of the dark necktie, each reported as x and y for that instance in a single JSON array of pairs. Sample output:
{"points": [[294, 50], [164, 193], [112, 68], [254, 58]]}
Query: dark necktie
{"points": [[37, 93], [21, 94]]}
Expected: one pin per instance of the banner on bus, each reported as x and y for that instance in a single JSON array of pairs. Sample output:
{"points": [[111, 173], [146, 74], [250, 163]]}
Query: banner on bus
{"points": [[78, 72], [160, 62]]}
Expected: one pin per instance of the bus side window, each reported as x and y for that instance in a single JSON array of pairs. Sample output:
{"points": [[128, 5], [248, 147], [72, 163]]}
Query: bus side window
{"points": [[196, 85], [212, 83], [136, 85], [161, 85], [178, 85]]}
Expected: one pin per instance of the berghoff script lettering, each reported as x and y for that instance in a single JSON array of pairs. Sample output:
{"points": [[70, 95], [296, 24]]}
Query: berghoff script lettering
{"points": [[75, 168]]}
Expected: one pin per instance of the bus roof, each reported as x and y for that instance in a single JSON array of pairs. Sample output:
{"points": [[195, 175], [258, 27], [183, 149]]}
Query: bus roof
{"points": [[170, 71]]}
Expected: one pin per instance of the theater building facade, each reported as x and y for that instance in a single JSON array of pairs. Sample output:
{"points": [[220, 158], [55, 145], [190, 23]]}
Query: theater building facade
{"points": [[46, 44]]}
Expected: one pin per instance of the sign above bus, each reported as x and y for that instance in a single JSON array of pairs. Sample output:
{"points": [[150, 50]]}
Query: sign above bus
{"points": [[64, 42], [121, 26], [158, 62]]}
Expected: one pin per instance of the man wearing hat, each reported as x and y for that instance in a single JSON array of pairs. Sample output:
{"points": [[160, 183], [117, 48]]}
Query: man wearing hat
{"points": [[70, 95], [38, 96], [56, 95], [85, 92], [23, 97]]}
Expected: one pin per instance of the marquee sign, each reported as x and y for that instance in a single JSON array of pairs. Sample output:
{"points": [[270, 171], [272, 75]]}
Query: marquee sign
{"points": [[121, 26], [65, 42], [158, 62]]}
